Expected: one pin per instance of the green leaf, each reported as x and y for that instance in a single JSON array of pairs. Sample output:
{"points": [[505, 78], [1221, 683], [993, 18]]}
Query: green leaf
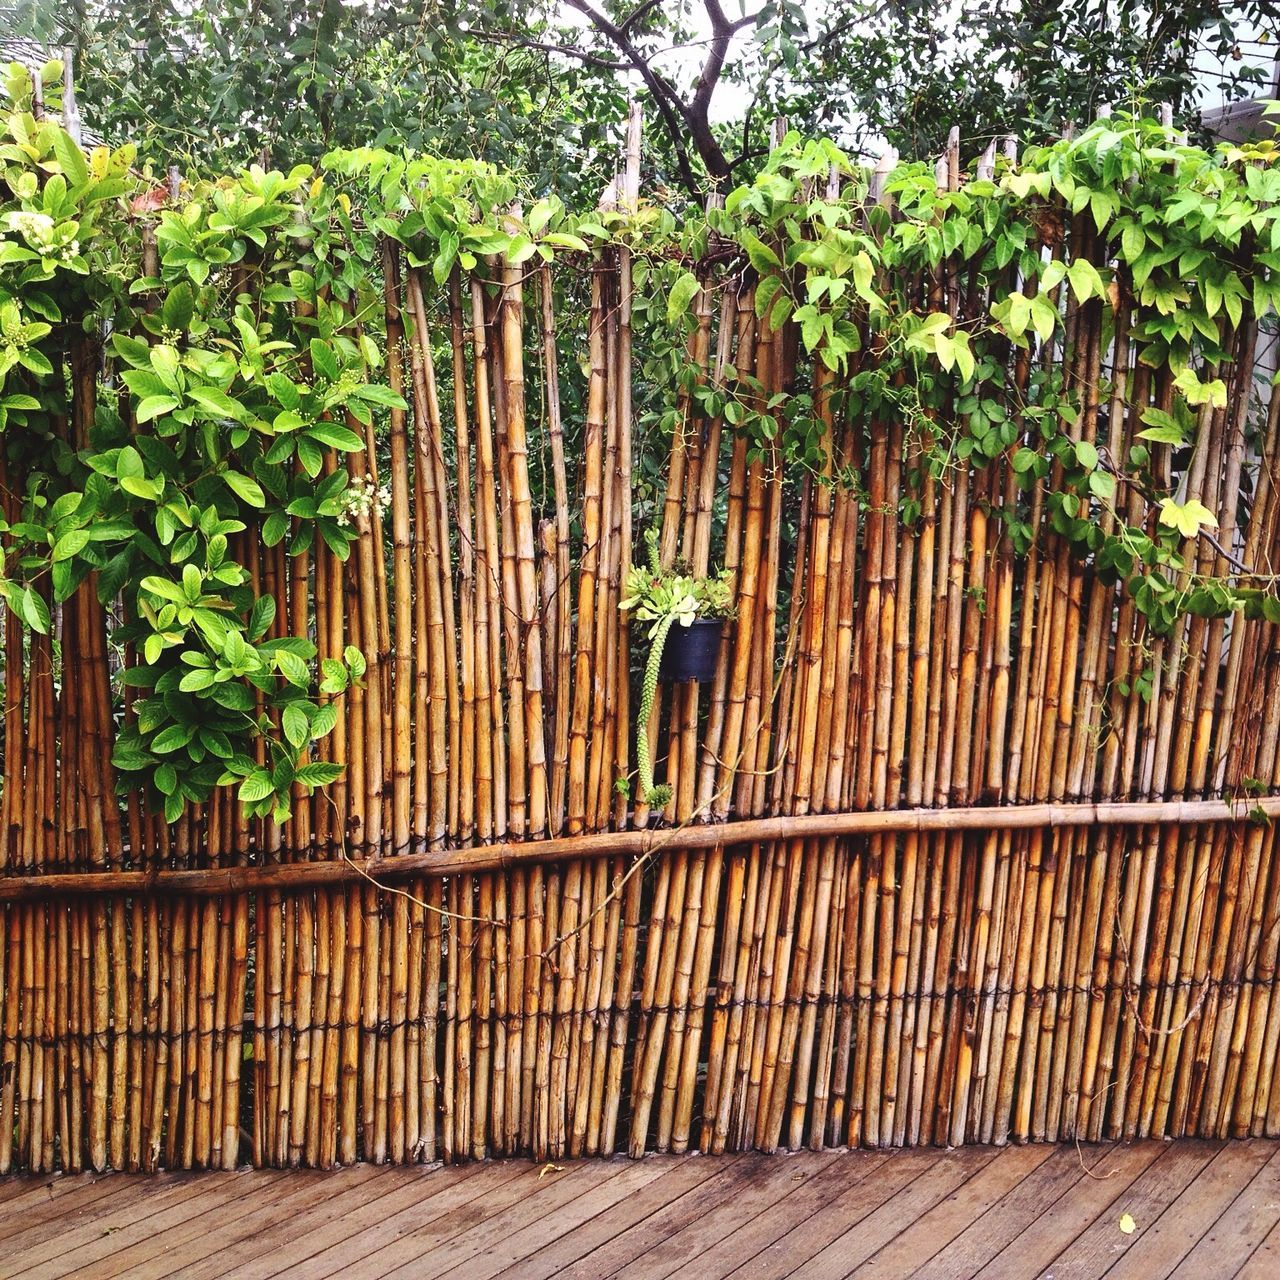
{"points": [[243, 487], [375, 393], [762, 258], [71, 544], [1019, 314], [284, 390], [149, 490], [1086, 454], [565, 240], [1044, 317], [1102, 484], [324, 720], [311, 455], [257, 786], [129, 756], [293, 669], [173, 738], [335, 676], [335, 437], [129, 463], [1132, 242], [164, 360], [354, 660], [1164, 428], [153, 407], [179, 307], [1023, 460], [520, 250], [70, 158], [217, 402], [682, 294], [319, 774], [1188, 518], [296, 724], [163, 588], [34, 611], [261, 616], [323, 360], [1085, 281], [235, 697]]}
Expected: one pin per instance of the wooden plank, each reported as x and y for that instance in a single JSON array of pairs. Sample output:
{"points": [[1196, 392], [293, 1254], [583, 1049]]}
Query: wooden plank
{"points": [[42, 1243], [157, 1252], [678, 1177], [1232, 1240], [947, 1171], [20, 1195], [935, 1229], [749, 1240], [515, 1248], [134, 1217], [1014, 1212], [210, 1234], [248, 1245], [1265, 1262], [1179, 1228], [328, 1222], [426, 1260], [644, 1236], [758, 1186], [53, 1199], [1201, 1209], [840, 1214], [1100, 1245], [48, 1218], [458, 1209], [1092, 1196]]}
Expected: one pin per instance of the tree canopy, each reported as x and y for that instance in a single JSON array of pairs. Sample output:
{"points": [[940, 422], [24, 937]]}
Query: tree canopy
{"points": [[540, 87]]}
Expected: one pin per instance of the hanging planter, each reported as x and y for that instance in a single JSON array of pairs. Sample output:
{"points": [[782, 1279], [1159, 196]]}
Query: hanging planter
{"points": [[692, 651], [687, 617]]}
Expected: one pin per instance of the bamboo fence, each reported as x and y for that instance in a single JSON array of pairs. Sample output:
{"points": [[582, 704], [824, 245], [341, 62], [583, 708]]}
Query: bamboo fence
{"points": [[933, 869]]}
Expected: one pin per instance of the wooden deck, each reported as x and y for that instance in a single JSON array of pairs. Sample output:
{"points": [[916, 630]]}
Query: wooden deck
{"points": [[1199, 1209]]}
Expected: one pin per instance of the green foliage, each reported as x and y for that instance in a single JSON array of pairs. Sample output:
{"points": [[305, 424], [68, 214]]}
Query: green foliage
{"points": [[906, 72], [223, 423], [246, 369], [535, 87], [1184, 242], [209, 86]]}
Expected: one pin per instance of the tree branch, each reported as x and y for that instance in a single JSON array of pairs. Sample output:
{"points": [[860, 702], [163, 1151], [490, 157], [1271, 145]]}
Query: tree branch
{"points": [[639, 15], [567, 50], [670, 106]]}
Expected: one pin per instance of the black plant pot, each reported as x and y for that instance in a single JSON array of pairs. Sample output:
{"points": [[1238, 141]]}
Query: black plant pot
{"points": [[691, 652]]}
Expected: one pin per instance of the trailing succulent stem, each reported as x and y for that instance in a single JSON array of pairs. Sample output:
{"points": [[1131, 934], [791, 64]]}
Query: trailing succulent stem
{"points": [[654, 797]]}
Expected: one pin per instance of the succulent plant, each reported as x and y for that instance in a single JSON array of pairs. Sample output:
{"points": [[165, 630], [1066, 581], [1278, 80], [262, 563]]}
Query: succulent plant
{"points": [[665, 597]]}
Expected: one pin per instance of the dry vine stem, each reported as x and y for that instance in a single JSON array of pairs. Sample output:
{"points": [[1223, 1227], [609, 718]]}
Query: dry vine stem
{"points": [[933, 869]]}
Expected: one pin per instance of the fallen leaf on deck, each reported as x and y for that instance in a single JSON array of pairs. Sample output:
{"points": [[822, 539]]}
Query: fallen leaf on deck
{"points": [[550, 1168], [1127, 1224]]}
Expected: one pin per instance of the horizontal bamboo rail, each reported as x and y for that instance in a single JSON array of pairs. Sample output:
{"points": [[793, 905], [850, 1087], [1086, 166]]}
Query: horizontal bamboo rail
{"points": [[509, 854]]}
